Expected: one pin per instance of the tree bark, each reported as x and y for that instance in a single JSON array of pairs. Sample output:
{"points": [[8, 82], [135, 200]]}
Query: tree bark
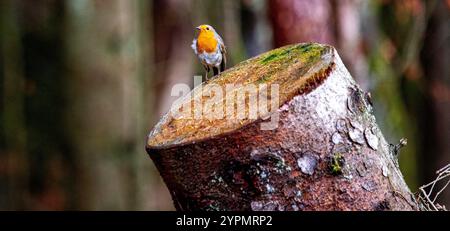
{"points": [[327, 152]]}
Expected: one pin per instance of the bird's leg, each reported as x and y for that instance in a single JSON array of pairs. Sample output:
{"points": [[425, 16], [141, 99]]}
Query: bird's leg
{"points": [[206, 71]]}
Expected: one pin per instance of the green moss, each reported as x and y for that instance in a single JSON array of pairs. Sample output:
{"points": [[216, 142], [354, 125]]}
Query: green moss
{"points": [[336, 164], [311, 51], [275, 55], [306, 52]]}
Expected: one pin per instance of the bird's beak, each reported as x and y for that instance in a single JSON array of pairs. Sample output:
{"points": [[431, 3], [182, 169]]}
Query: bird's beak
{"points": [[198, 28]]}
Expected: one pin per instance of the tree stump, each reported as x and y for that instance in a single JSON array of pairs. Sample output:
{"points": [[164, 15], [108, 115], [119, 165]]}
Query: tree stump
{"points": [[326, 151]]}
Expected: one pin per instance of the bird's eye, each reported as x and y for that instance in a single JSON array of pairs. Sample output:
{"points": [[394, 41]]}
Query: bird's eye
{"points": [[207, 28]]}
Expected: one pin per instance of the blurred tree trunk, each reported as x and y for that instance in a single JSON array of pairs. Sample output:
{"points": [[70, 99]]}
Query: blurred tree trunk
{"points": [[254, 23], [13, 158], [108, 74], [174, 57], [50, 162], [349, 40], [301, 21], [435, 57]]}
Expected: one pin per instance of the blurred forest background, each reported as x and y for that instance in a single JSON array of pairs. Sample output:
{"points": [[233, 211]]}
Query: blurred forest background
{"points": [[82, 82]]}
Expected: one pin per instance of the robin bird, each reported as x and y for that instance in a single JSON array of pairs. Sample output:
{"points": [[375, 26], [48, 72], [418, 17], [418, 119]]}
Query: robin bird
{"points": [[210, 50]]}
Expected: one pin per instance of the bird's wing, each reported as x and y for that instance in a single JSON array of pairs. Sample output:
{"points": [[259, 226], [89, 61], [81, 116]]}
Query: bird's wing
{"points": [[223, 50], [194, 46], [223, 64]]}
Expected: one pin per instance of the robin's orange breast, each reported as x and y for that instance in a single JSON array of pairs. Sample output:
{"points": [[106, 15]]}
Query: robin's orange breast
{"points": [[206, 43]]}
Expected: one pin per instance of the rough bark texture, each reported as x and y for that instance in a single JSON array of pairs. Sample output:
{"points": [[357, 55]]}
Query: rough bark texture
{"points": [[326, 154]]}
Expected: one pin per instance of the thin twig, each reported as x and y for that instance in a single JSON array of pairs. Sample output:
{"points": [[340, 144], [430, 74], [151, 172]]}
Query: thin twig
{"points": [[440, 191], [424, 196]]}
